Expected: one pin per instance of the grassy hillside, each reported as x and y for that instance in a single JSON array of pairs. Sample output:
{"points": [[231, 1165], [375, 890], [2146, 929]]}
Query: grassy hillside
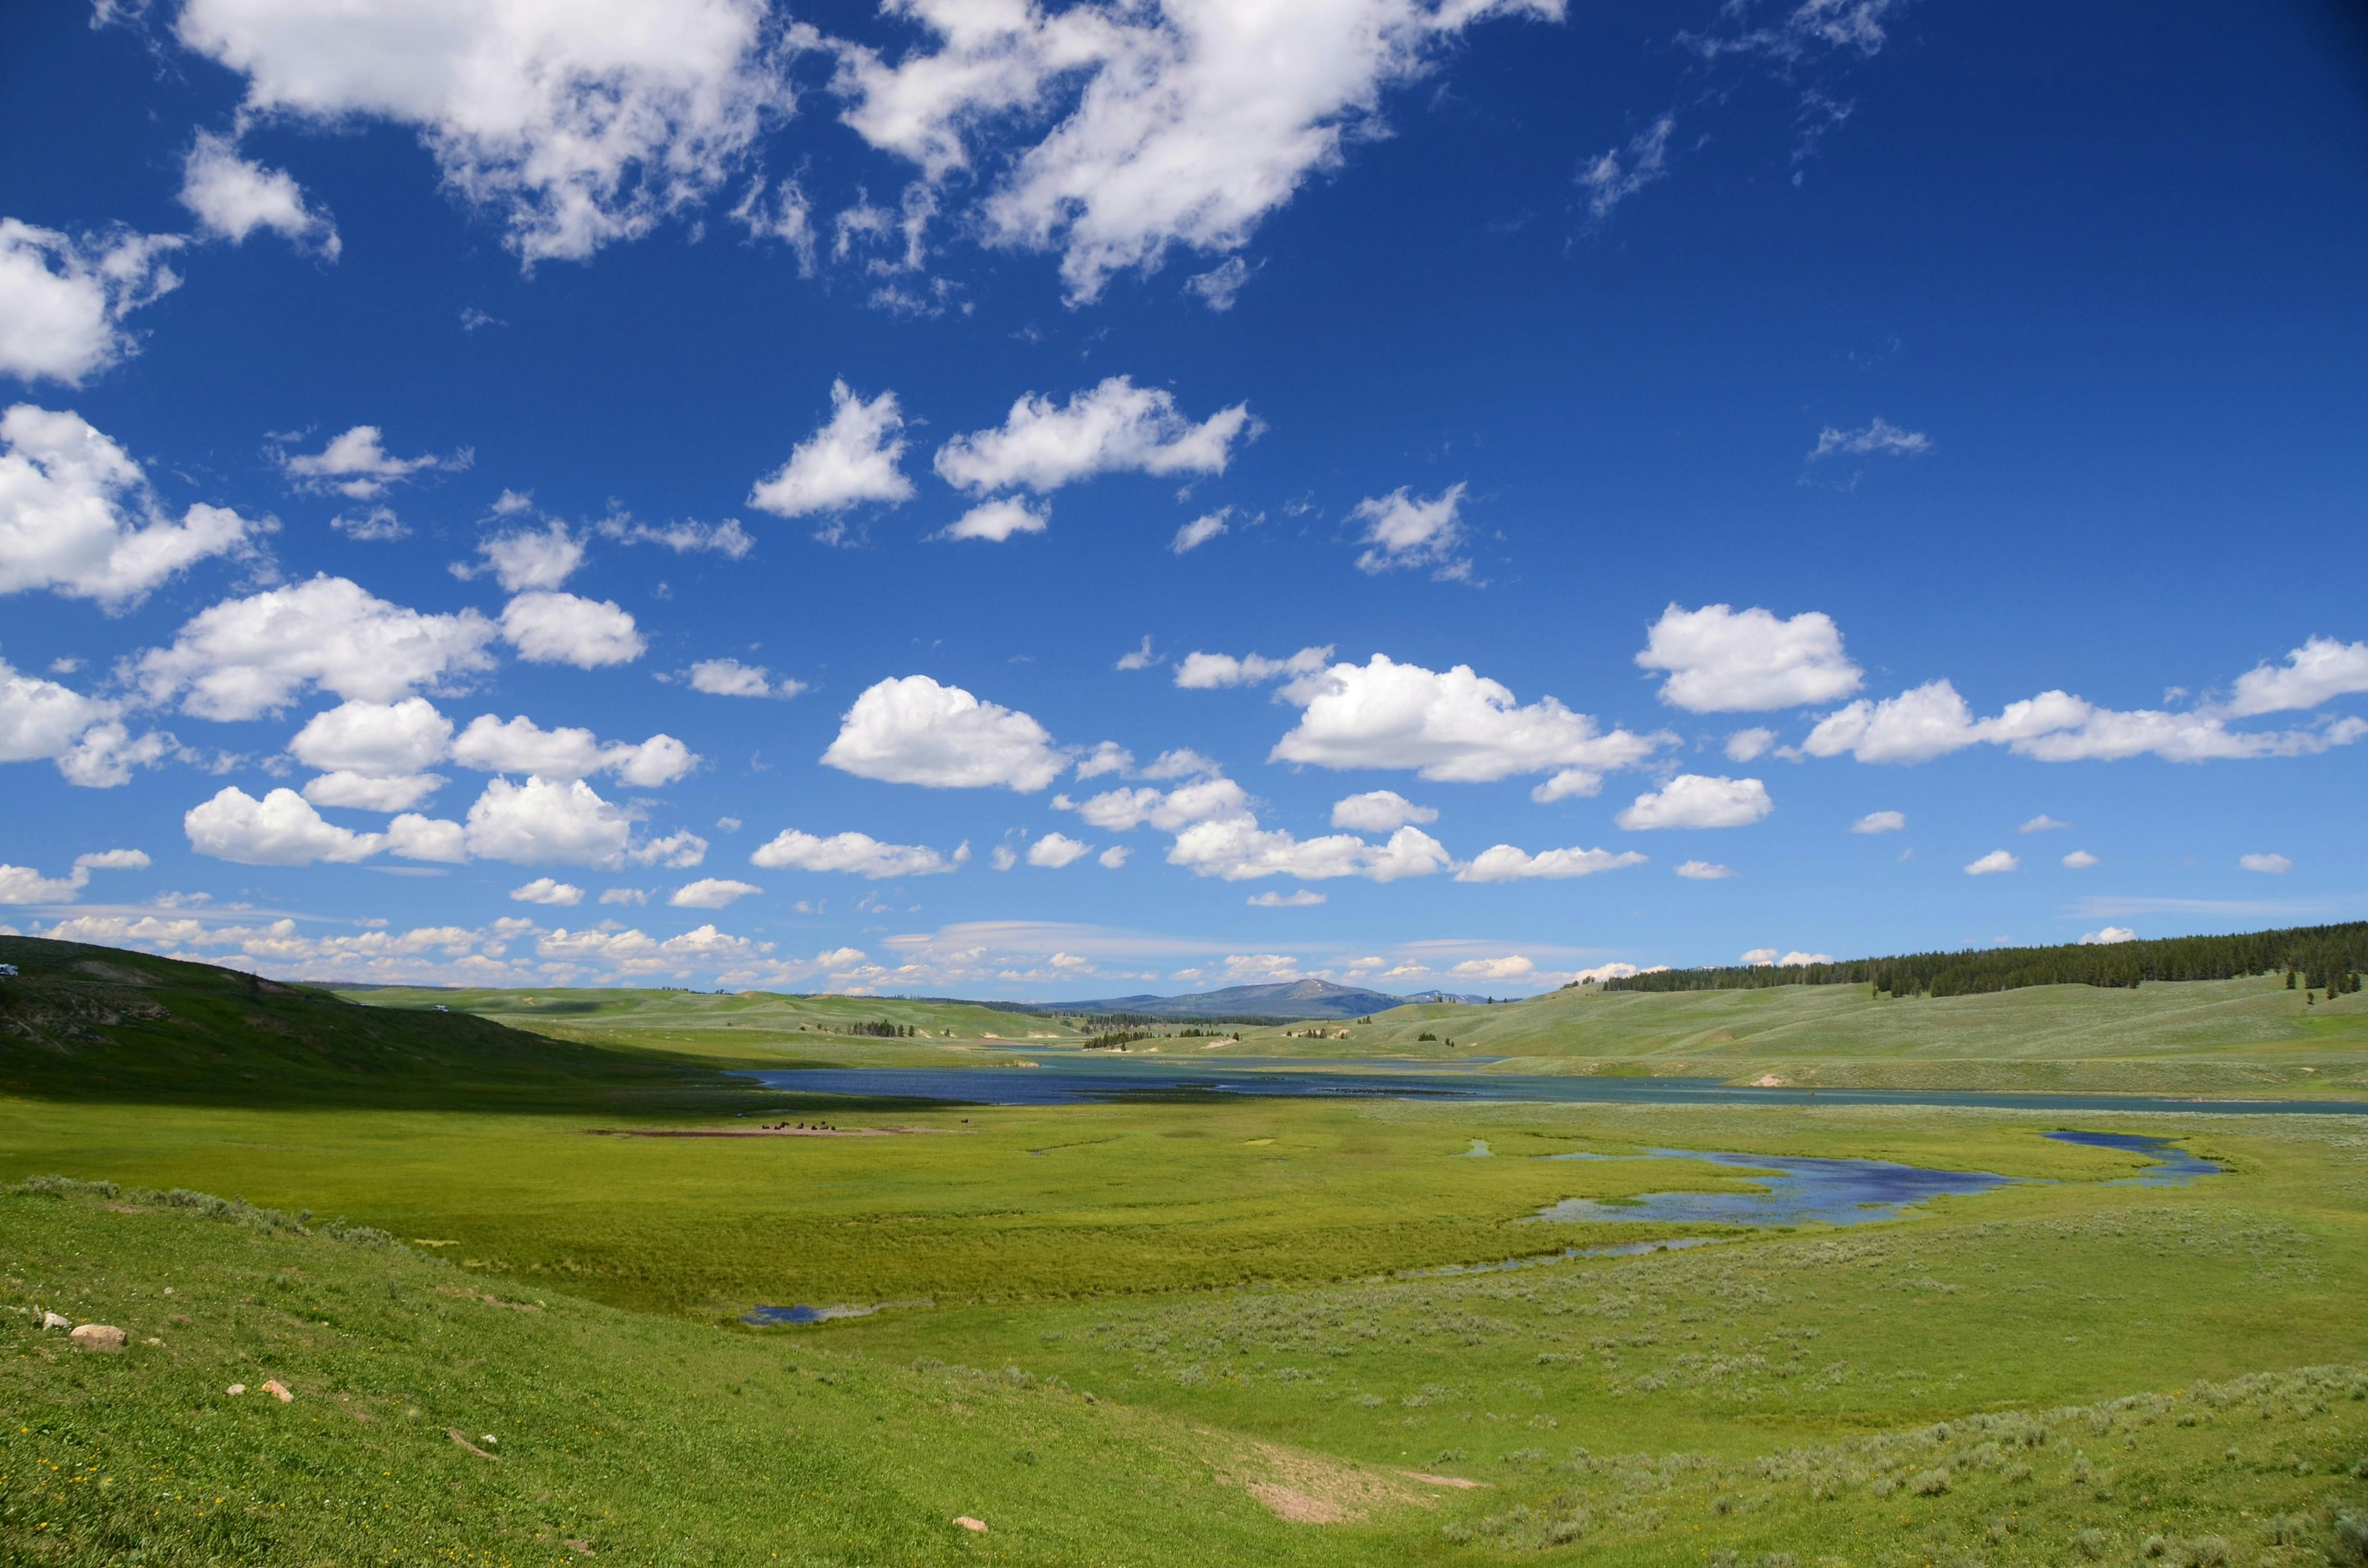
{"points": [[2046, 1374], [441, 1418], [749, 1027], [2204, 1037], [101, 1024]]}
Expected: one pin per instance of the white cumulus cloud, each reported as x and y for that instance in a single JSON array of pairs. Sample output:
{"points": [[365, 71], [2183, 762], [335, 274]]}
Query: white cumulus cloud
{"points": [[1748, 746], [1378, 810], [1176, 124], [281, 829], [1234, 846], [1207, 672], [1402, 532], [578, 126], [1722, 660], [62, 301], [2042, 823], [1114, 427], [374, 740], [1504, 863], [247, 657], [2275, 865], [2318, 671], [1453, 725], [544, 890], [1933, 720], [77, 516], [997, 521], [1996, 861], [357, 464], [521, 745], [547, 822], [1706, 872], [2108, 936], [22, 884], [1692, 800], [1217, 834], [914, 730], [726, 539], [415, 837], [2078, 860], [857, 853], [729, 677], [851, 460], [563, 628], [367, 792], [1513, 966], [711, 892], [42, 721], [1055, 850], [529, 558], [1880, 822], [1302, 898], [232, 197]]}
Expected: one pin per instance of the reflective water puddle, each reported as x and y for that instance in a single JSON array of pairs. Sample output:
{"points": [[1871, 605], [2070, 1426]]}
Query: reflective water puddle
{"points": [[1798, 1191]]}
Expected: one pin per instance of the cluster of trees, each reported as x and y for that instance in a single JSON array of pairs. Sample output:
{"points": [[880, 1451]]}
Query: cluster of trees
{"points": [[1118, 1039], [2318, 957], [1146, 1020], [878, 1027]]}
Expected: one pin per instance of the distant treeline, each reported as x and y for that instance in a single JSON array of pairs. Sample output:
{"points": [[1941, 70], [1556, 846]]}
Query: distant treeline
{"points": [[2319, 958], [1146, 1020]]}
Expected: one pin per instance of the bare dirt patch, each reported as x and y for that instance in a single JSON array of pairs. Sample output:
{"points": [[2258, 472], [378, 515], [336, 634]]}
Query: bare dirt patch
{"points": [[1309, 1489]]}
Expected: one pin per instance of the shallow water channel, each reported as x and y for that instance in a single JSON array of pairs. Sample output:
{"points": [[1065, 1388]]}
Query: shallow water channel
{"points": [[1059, 1081]]}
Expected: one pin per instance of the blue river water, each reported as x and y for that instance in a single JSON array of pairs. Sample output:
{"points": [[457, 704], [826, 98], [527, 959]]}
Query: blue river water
{"points": [[1059, 1082]]}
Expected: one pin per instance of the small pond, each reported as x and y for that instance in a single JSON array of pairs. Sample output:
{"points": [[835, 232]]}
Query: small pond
{"points": [[1802, 1191], [1795, 1191], [768, 1317]]}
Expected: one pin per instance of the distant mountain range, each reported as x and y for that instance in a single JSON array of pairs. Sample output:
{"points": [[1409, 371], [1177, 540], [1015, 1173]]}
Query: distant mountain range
{"points": [[1289, 999]]}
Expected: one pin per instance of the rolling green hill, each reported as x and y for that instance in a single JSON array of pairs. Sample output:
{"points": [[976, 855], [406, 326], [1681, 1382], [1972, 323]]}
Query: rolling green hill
{"points": [[747, 1027], [94, 1023], [2198, 1036]]}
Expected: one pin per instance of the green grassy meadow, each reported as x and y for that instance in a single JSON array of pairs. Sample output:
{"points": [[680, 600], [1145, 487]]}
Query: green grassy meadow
{"points": [[2203, 1037], [1248, 1331]]}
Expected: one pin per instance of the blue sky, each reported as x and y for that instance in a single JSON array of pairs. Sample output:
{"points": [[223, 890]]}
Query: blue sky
{"points": [[716, 495]]}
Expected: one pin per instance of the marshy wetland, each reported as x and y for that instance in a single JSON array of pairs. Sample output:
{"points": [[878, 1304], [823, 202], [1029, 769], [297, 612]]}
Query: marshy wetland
{"points": [[1209, 1328]]}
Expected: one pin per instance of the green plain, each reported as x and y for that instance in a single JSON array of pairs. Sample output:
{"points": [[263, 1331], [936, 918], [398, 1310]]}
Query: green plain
{"points": [[1163, 1332]]}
